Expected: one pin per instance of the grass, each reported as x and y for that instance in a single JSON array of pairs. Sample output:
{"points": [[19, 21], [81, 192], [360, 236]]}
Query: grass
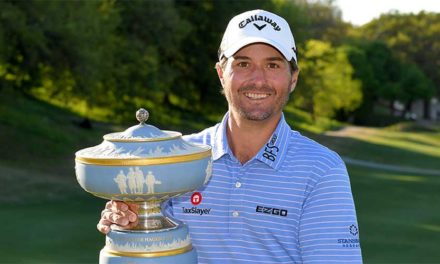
{"points": [[50, 219], [398, 214], [54, 232], [408, 148]]}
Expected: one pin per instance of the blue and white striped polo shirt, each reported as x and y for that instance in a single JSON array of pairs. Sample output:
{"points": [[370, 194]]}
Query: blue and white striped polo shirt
{"points": [[291, 203]]}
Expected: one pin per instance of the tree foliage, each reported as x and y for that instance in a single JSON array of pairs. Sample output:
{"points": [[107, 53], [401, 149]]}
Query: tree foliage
{"points": [[414, 37], [326, 85], [161, 54], [384, 75]]}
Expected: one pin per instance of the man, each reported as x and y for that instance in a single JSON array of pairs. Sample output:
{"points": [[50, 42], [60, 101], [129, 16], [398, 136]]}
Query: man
{"points": [[275, 196]]}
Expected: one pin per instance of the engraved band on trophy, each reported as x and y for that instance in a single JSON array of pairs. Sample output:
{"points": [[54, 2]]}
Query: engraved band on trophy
{"points": [[147, 166]]}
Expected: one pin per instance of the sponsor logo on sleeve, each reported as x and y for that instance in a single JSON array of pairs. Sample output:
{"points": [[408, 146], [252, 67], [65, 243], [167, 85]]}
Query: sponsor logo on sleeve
{"points": [[350, 242], [354, 230]]}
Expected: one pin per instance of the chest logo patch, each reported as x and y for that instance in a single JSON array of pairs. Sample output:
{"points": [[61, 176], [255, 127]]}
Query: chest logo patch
{"points": [[196, 198], [271, 211]]}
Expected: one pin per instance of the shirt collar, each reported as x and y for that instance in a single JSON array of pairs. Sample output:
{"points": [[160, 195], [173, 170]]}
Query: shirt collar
{"points": [[221, 146], [272, 153]]}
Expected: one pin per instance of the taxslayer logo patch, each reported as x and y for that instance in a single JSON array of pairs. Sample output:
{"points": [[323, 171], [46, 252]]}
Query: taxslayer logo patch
{"points": [[196, 198], [195, 210]]}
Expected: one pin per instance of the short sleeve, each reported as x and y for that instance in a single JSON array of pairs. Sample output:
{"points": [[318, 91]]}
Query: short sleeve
{"points": [[329, 231]]}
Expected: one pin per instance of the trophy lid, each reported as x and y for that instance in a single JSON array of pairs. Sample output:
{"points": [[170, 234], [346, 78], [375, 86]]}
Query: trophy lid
{"points": [[142, 144], [142, 132]]}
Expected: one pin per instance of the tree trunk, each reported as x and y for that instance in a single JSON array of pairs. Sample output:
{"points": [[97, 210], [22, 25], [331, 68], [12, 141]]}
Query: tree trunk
{"points": [[408, 108], [391, 107], [427, 109], [166, 100]]}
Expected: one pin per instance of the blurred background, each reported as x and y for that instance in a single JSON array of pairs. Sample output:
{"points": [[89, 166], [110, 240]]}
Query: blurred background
{"points": [[72, 71]]}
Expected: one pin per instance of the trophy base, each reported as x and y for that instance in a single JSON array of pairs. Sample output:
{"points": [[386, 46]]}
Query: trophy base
{"points": [[161, 246], [106, 257]]}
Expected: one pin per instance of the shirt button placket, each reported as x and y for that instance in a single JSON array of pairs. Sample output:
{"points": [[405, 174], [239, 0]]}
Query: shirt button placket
{"points": [[236, 207]]}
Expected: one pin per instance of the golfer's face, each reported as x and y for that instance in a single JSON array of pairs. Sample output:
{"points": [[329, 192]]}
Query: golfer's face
{"points": [[257, 82]]}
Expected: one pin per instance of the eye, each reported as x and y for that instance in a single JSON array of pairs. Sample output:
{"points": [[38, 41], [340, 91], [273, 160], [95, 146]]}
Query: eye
{"points": [[273, 65], [243, 64]]}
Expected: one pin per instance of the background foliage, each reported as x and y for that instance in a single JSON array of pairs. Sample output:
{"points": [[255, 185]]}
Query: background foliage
{"points": [[119, 55]]}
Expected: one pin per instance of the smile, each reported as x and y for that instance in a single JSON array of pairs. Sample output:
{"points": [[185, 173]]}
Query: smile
{"points": [[256, 96]]}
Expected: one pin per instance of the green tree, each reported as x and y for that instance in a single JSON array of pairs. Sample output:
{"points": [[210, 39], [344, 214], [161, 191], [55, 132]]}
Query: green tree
{"points": [[63, 47], [414, 37], [199, 82], [384, 75], [326, 85], [146, 65], [414, 85], [324, 21]]}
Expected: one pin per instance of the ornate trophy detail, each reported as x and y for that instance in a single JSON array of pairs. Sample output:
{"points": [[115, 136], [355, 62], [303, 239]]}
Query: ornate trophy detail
{"points": [[142, 115], [147, 166]]}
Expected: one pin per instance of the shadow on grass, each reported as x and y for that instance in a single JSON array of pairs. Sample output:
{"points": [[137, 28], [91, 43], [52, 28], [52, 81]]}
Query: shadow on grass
{"points": [[358, 149], [420, 141]]}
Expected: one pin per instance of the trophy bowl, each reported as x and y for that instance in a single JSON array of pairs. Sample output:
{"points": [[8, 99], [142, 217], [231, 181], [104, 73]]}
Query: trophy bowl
{"points": [[146, 166]]}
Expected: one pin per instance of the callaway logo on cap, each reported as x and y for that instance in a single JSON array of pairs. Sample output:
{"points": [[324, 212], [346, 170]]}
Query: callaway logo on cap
{"points": [[258, 26]]}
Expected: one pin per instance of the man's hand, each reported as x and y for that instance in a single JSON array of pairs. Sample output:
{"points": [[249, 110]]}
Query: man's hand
{"points": [[119, 213]]}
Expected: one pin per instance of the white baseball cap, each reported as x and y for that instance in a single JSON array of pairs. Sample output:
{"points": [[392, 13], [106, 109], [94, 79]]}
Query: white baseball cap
{"points": [[258, 26]]}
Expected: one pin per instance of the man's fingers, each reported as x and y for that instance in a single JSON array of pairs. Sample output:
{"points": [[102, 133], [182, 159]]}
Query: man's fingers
{"points": [[129, 226], [133, 224], [134, 207], [117, 206], [130, 215], [104, 226], [115, 218], [118, 213]]}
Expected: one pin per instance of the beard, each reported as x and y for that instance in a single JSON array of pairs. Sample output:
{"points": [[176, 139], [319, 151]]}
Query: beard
{"points": [[258, 113]]}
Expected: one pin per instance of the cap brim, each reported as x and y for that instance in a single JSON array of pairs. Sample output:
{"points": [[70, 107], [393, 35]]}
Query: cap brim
{"points": [[288, 54]]}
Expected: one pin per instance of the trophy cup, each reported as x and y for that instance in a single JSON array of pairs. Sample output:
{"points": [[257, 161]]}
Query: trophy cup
{"points": [[147, 166]]}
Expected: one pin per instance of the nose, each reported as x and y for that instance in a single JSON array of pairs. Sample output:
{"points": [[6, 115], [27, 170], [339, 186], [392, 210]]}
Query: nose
{"points": [[258, 75]]}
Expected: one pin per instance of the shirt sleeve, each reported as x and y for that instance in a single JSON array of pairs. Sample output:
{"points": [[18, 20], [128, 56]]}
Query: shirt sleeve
{"points": [[328, 227]]}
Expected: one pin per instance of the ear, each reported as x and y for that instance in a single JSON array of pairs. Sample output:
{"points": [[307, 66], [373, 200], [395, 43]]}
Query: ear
{"points": [[294, 80], [219, 72]]}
